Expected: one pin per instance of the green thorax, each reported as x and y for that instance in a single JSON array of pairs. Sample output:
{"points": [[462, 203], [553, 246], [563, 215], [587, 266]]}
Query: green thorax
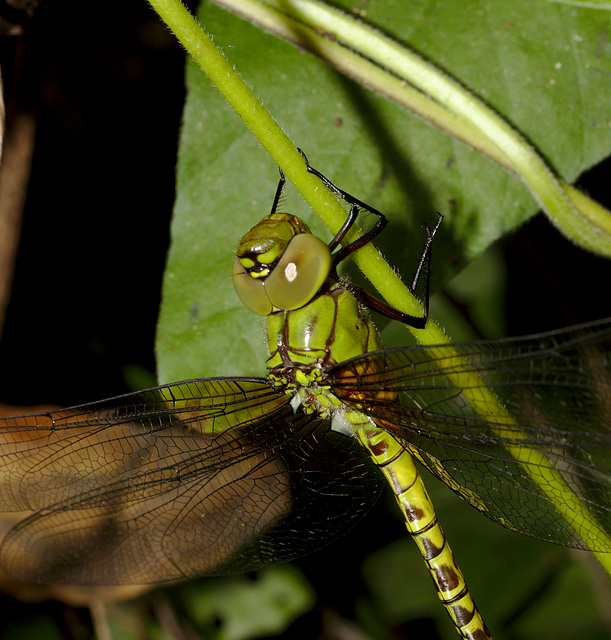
{"points": [[304, 343], [331, 328]]}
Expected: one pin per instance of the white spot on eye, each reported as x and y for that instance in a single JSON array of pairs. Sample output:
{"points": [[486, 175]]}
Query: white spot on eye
{"points": [[290, 271]]}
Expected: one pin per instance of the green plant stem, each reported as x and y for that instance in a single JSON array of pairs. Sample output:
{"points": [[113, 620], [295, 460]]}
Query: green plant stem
{"points": [[336, 36]]}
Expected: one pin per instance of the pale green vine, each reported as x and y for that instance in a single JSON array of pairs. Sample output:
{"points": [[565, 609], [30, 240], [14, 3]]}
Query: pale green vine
{"points": [[379, 62]]}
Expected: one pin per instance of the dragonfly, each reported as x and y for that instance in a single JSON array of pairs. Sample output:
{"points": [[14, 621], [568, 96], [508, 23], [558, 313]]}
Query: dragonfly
{"points": [[224, 475]]}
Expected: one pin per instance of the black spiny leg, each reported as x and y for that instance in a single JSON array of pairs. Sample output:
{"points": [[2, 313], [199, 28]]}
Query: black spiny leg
{"points": [[279, 189], [363, 296], [355, 206], [424, 268]]}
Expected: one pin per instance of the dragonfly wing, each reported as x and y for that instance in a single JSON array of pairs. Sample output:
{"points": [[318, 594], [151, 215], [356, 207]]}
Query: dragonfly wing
{"points": [[333, 484], [556, 388], [51, 457], [202, 477]]}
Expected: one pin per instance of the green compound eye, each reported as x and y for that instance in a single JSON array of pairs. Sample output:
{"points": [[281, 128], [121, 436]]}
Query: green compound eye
{"points": [[299, 274], [294, 281], [251, 291]]}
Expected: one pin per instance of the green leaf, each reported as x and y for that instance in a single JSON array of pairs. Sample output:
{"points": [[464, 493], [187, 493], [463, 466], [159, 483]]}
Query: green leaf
{"points": [[542, 66], [239, 607]]}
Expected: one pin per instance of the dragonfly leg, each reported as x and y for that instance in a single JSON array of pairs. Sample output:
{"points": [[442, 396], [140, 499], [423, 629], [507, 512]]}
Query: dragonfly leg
{"points": [[365, 298], [279, 189], [355, 206], [425, 260], [424, 267], [400, 471]]}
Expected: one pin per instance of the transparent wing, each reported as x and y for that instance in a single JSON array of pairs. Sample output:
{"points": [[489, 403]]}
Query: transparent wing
{"points": [[203, 477], [556, 387]]}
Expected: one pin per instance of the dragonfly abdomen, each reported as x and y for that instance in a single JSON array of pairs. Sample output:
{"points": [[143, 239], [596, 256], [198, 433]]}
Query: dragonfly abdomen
{"points": [[399, 468]]}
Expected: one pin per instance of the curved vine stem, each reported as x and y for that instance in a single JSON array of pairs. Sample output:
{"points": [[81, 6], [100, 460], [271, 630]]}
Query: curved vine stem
{"points": [[377, 61]]}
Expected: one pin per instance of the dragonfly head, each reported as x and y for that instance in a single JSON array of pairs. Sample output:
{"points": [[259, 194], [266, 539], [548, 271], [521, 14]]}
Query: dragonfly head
{"points": [[279, 265]]}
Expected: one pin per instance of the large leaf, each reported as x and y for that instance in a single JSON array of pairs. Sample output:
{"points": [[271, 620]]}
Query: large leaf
{"points": [[542, 65]]}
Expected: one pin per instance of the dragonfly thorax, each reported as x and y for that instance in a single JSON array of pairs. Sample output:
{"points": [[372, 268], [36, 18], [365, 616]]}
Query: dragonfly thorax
{"points": [[305, 343]]}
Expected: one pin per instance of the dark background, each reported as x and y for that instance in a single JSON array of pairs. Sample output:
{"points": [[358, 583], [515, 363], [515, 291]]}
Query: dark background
{"points": [[105, 80]]}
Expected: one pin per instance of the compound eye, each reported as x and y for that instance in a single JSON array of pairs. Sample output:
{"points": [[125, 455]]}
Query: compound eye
{"points": [[300, 272], [251, 291]]}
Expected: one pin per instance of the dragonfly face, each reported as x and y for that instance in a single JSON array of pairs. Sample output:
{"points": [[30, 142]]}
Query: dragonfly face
{"points": [[279, 265]]}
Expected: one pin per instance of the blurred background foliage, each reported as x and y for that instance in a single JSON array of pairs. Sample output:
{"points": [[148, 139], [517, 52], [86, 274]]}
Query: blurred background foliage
{"points": [[106, 84]]}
